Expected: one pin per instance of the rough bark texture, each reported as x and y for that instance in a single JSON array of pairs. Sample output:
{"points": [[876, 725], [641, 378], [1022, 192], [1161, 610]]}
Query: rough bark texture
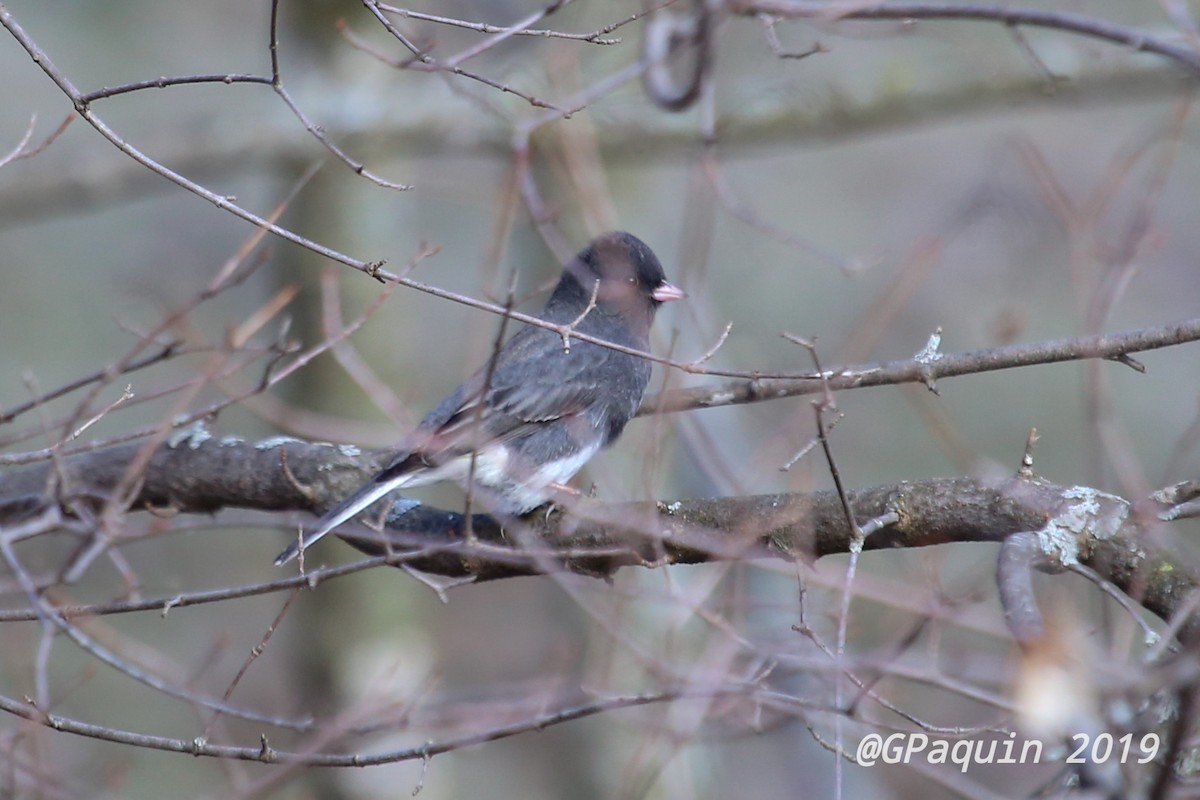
{"points": [[200, 473]]}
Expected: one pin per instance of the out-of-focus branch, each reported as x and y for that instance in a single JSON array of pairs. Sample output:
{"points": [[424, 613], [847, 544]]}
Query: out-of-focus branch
{"points": [[1013, 16], [839, 119], [266, 754]]}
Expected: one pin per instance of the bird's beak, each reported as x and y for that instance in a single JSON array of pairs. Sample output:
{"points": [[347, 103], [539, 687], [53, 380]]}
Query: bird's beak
{"points": [[665, 293]]}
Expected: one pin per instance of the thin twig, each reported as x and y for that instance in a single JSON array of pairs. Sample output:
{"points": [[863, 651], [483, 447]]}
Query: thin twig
{"points": [[595, 37], [568, 330], [1138, 40], [23, 150], [255, 652], [427, 63], [125, 395], [315, 130], [162, 83], [712, 351], [1104, 346], [481, 405], [197, 747]]}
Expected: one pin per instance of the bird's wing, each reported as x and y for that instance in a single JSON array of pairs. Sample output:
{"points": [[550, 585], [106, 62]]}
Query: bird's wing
{"points": [[534, 382], [533, 386]]}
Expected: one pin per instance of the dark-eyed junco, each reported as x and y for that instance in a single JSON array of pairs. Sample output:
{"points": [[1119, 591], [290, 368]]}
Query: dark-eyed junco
{"points": [[539, 409]]}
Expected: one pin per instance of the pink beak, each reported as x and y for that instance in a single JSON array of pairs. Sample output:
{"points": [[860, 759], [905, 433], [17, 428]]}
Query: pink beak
{"points": [[665, 293]]}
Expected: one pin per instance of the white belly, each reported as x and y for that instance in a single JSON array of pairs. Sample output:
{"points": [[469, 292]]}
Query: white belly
{"points": [[514, 489]]}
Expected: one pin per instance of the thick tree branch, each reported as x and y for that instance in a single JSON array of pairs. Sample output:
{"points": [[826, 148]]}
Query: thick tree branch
{"points": [[200, 473]]}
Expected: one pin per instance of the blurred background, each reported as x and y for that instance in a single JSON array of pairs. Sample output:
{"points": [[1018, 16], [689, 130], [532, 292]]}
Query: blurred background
{"points": [[1003, 187]]}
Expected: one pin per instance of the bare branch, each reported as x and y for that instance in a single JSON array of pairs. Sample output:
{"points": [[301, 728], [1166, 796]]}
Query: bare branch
{"points": [[1012, 16], [23, 150], [266, 754], [595, 37], [917, 370]]}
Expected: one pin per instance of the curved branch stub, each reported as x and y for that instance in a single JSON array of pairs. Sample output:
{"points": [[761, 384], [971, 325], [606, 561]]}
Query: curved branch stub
{"points": [[668, 31], [1019, 554]]}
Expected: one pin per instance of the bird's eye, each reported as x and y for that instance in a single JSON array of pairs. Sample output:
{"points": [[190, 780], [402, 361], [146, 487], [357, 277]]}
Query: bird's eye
{"points": [[631, 279]]}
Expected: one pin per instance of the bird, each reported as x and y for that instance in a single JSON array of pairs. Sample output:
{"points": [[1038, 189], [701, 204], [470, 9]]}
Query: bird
{"points": [[544, 404]]}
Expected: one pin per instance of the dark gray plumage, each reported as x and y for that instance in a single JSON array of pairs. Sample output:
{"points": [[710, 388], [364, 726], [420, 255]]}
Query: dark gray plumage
{"points": [[545, 409]]}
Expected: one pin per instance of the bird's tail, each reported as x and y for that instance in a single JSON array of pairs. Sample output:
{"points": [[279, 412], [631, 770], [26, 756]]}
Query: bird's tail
{"points": [[342, 512]]}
